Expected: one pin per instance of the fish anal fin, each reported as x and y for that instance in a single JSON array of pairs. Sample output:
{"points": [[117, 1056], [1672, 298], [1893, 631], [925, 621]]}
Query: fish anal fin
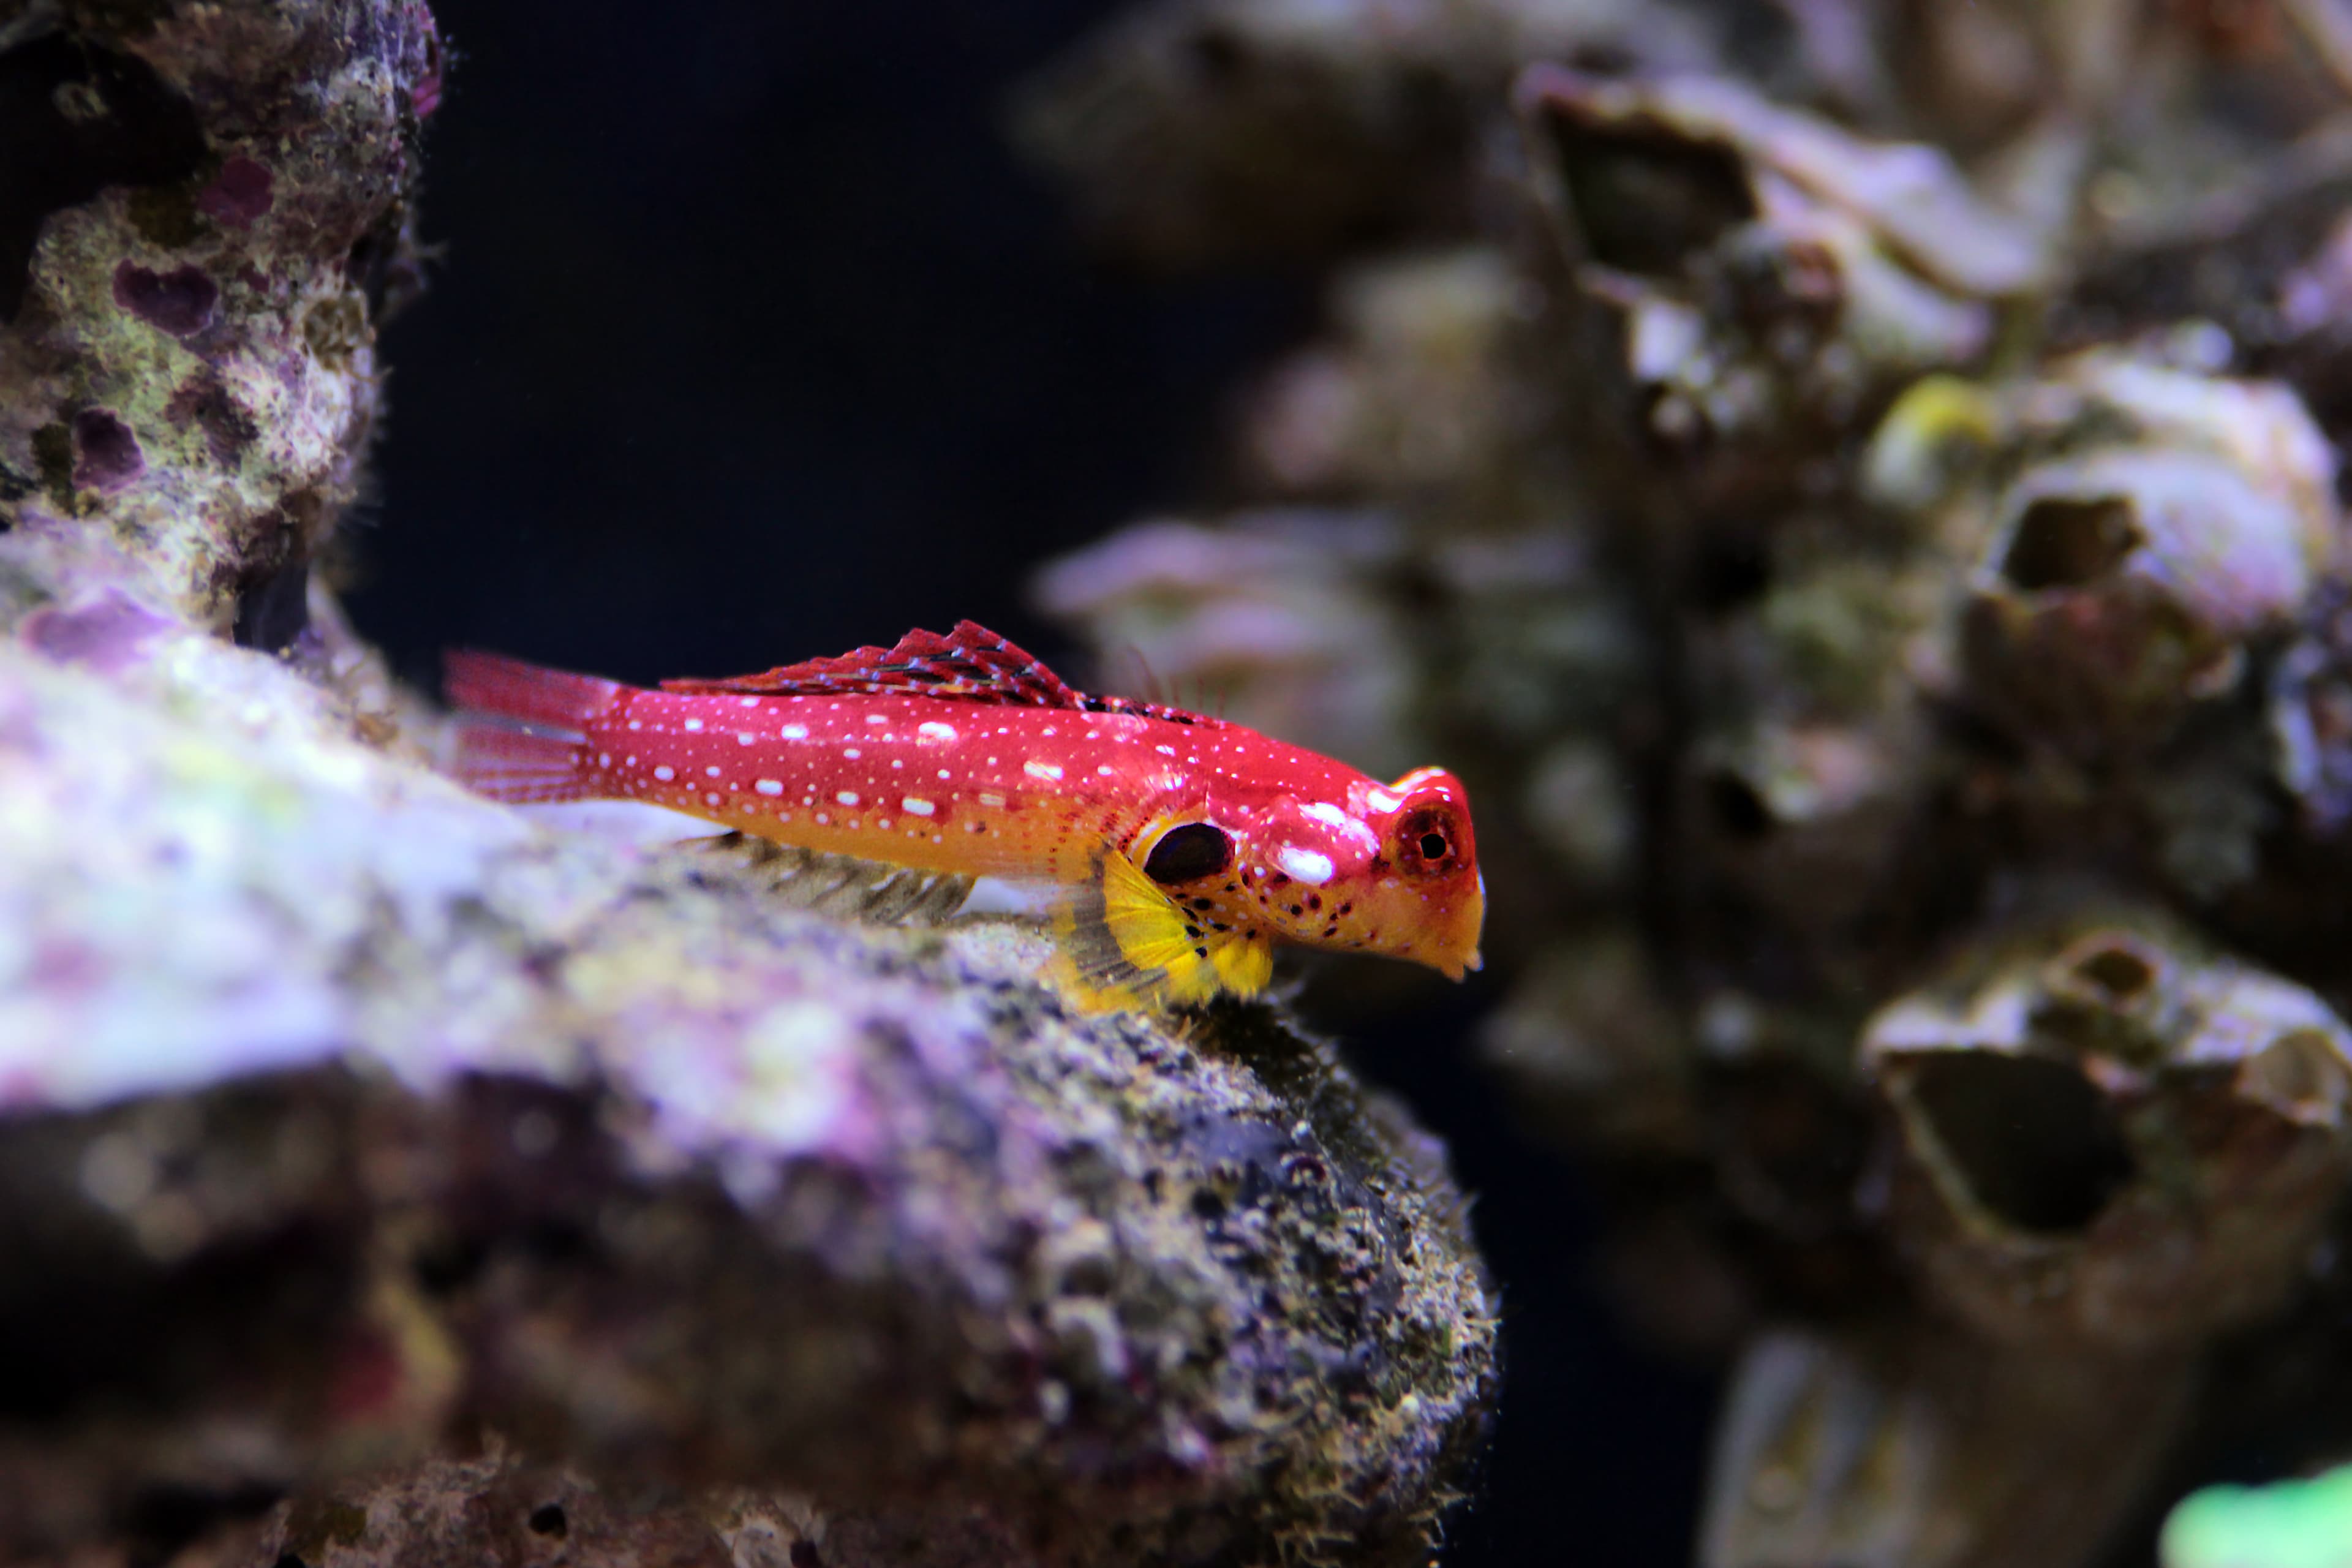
{"points": [[1125, 943], [970, 664]]}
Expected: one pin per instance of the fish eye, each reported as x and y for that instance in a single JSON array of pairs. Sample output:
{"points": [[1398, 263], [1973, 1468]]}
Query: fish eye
{"points": [[1425, 840], [1188, 853]]}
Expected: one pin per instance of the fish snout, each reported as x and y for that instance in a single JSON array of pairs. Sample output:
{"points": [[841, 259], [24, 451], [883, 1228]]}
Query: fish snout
{"points": [[1455, 952]]}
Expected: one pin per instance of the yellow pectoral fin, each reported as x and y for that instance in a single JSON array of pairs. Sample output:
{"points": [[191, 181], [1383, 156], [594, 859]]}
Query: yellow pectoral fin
{"points": [[1243, 964], [1126, 944]]}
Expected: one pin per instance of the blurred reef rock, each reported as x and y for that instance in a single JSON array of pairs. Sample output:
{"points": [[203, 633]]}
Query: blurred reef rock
{"points": [[1856, 487], [387, 1179]]}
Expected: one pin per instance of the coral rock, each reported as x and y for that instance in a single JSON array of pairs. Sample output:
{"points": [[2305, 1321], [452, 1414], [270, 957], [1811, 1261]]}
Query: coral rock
{"points": [[2178, 522], [205, 259], [1746, 278], [369, 1112], [2109, 1136], [1916, 1448]]}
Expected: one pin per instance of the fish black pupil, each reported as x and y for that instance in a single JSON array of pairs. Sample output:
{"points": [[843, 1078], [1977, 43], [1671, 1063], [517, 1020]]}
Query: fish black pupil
{"points": [[1433, 846], [1188, 853]]}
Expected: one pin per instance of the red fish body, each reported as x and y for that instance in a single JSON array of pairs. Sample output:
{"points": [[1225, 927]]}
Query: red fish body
{"points": [[1190, 843]]}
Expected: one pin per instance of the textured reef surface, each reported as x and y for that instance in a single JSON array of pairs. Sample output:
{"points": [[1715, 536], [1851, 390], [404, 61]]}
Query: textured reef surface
{"points": [[385, 1178], [1855, 487]]}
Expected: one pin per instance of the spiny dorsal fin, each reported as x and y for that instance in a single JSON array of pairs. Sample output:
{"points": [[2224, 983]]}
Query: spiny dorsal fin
{"points": [[1126, 944], [971, 664]]}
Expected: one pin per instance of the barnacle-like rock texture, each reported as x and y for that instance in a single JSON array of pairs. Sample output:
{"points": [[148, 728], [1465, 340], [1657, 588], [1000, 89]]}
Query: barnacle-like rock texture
{"points": [[1912, 1447], [1859, 498], [385, 1177], [2084, 1092], [1212, 129]]}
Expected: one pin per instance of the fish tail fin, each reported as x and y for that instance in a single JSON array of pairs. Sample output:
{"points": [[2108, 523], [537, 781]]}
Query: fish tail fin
{"points": [[515, 765], [522, 729], [502, 687]]}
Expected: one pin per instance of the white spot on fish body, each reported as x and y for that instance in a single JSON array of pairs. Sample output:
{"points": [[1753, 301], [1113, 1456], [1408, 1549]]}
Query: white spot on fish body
{"points": [[1105, 770], [917, 807], [636, 724], [935, 731], [1048, 771], [1308, 866], [693, 723], [1165, 750], [748, 701], [847, 797], [770, 787], [604, 759], [988, 799], [742, 737], [851, 752], [795, 732], [711, 771], [877, 718], [665, 774]]}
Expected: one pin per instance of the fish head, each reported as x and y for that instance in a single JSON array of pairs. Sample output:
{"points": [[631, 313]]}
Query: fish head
{"points": [[1390, 869], [1421, 897]]}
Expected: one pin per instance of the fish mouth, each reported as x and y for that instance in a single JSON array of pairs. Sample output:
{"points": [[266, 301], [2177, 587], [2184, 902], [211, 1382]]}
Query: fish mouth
{"points": [[1460, 954], [1454, 968]]}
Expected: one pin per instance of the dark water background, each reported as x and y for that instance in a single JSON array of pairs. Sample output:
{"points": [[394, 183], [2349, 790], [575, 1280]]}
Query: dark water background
{"points": [[750, 341]]}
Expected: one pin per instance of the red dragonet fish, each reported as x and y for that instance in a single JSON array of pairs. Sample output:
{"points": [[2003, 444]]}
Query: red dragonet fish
{"points": [[1186, 845]]}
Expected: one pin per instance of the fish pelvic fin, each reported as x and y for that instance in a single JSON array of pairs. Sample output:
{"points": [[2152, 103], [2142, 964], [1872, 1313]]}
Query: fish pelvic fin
{"points": [[843, 886], [1125, 943]]}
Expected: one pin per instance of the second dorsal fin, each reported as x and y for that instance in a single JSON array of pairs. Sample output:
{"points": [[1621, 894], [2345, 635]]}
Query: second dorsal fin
{"points": [[971, 663]]}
